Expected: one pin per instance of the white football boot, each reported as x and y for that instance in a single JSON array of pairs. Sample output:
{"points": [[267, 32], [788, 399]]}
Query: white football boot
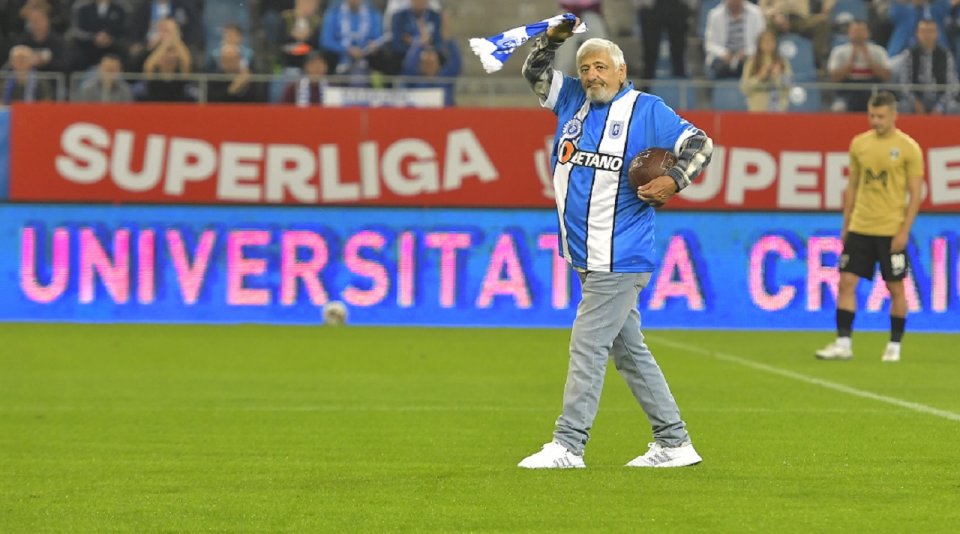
{"points": [[891, 353], [660, 456], [553, 455], [838, 350]]}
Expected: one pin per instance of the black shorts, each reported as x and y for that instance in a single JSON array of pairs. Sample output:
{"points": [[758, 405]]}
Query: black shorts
{"points": [[861, 253]]}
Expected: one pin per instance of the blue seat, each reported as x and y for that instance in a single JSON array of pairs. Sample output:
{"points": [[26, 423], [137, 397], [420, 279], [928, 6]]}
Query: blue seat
{"points": [[705, 7], [675, 92], [727, 97], [799, 52]]}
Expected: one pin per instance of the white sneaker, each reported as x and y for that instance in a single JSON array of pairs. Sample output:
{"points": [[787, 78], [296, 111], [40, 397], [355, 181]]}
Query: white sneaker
{"points": [[660, 456], [891, 354], [835, 351], [553, 455]]}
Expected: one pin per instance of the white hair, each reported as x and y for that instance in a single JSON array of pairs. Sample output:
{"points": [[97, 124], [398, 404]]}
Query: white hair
{"points": [[597, 45], [21, 49]]}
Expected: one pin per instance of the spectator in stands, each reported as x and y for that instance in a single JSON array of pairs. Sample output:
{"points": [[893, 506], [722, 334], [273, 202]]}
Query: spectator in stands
{"points": [[23, 84], [237, 89], [906, 14], [308, 90], [766, 76], [15, 14], [730, 36], [589, 12], [106, 86], [300, 33], [145, 33], [417, 24], [353, 30], [48, 47], [655, 16], [801, 17], [98, 29], [878, 21], [271, 16], [170, 58], [929, 63], [953, 26], [430, 64], [395, 6], [232, 35], [138, 52], [858, 61], [11, 24], [4, 36]]}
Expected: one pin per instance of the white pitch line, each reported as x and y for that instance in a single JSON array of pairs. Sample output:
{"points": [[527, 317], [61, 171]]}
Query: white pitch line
{"points": [[914, 406], [322, 408]]}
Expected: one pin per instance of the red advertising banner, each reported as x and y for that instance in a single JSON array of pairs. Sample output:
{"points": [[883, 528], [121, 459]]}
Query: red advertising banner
{"points": [[176, 154], [800, 161], [276, 155]]}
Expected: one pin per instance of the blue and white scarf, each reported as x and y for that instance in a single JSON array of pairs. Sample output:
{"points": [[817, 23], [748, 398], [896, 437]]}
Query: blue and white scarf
{"points": [[495, 50], [350, 37]]}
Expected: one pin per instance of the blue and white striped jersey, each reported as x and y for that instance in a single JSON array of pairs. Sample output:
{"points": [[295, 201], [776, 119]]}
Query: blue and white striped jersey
{"points": [[603, 225]]}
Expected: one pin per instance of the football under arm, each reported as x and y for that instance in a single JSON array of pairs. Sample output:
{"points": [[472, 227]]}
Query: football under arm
{"points": [[694, 155], [538, 68]]}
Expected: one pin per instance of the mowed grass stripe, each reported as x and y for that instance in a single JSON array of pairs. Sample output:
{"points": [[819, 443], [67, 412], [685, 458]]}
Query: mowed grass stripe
{"points": [[834, 386]]}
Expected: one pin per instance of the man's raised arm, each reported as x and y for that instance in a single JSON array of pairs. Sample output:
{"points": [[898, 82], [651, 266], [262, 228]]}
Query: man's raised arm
{"points": [[538, 68]]}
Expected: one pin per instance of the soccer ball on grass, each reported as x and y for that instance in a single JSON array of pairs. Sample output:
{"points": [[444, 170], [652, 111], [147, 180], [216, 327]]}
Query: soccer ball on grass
{"points": [[334, 313]]}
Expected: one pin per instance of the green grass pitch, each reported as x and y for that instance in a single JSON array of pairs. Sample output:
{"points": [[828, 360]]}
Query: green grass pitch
{"points": [[149, 428]]}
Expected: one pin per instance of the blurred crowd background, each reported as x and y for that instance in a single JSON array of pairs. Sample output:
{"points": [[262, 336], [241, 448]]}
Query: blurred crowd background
{"points": [[768, 55]]}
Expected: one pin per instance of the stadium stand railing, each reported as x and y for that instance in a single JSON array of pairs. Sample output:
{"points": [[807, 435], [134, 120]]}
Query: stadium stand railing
{"points": [[501, 92]]}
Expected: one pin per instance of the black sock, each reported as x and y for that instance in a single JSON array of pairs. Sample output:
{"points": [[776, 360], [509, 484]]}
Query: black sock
{"points": [[897, 326], [844, 323]]}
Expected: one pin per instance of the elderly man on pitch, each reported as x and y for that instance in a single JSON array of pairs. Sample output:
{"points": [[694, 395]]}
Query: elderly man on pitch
{"points": [[606, 235]]}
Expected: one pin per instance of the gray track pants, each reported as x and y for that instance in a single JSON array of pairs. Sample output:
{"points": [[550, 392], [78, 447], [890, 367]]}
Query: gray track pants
{"points": [[608, 326]]}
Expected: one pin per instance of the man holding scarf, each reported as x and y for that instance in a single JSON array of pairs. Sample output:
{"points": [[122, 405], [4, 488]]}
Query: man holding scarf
{"points": [[607, 236]]}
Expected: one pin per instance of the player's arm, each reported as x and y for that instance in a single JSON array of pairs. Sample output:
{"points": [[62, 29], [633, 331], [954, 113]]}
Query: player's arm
{"points": [[899, 242], [538, 68], [850, 194]]}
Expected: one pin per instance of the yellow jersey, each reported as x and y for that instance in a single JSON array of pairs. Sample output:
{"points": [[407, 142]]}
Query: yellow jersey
{"points": [[884, 166]]}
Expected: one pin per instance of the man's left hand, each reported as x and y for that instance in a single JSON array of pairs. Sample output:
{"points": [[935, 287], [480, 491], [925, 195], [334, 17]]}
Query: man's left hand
{"points": [[658, 191], [563, 31]]}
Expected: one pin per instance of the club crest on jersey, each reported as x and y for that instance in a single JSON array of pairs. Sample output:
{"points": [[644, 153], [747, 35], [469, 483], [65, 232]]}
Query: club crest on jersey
{"points": [[869, 176], [894, 153], [569, 153], [572, 129], [616, 129]]}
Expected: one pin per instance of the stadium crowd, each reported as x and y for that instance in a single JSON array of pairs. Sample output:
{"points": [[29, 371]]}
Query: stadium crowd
{"points": [[138, 50]]}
